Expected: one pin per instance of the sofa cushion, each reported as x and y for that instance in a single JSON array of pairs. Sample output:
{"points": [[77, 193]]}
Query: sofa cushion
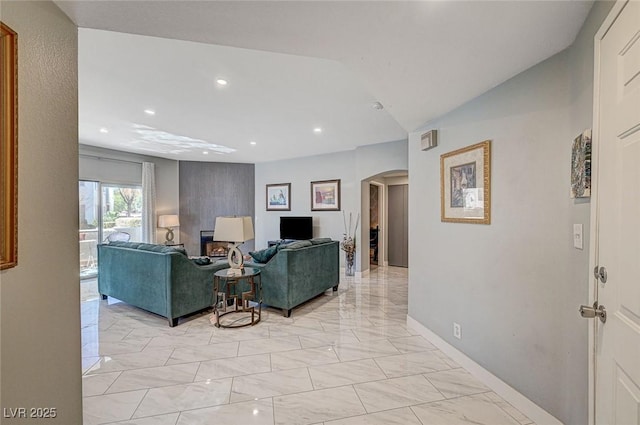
{"points": [[297, 245], [264, 255], [122, 244], [320, 241]]}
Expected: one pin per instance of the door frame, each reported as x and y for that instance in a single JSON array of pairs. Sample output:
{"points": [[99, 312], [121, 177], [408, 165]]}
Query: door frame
{"points": [[595, 165]]}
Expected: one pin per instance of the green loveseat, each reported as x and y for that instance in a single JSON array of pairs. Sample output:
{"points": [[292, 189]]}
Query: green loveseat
{"points": [[157, 278], [298, 272]]}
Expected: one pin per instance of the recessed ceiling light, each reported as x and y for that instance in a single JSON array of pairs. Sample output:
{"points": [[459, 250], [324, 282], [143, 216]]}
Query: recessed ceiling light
{"points": [[104, 130], [222, 81], [252, 143], [149, 112], [205, 152], [317, 130]]}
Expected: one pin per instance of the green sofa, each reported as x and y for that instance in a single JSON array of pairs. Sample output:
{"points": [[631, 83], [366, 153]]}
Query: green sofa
{"points": [[298, 272], [157, 278]]}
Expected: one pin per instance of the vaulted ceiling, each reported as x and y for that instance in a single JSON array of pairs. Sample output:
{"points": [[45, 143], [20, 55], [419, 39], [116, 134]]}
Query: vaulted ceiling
{"points": [[295, 66]]}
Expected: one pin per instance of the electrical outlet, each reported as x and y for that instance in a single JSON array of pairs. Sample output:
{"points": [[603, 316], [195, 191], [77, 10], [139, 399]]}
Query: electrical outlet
{"points": [[457, 330]]}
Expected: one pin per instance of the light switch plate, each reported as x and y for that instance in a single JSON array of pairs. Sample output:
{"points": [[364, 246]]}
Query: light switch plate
{"points": [[577, 236]]}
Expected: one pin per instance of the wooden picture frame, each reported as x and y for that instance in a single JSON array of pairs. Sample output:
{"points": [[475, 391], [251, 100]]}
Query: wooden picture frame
{"points": [[278, 197], [325, 195], [465, 184], [8, 147]]}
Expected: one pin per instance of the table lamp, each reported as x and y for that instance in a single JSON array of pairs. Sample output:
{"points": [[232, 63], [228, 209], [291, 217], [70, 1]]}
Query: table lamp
{"points": [[168, 222], [236, 231]]}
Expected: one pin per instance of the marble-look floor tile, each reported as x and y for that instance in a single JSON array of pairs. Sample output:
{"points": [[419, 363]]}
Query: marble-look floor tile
{"points": [[204, 352], [411, 344], [396, 392], [456, 383], [404, 416], [272, 345], [256, 412], [110, 348], [103, 409], [452, 364], [303, 358], [130, 361], [184, 397], [226, 335], [512, 411], [154, 377], [298, 327], [476, 410], [382, 332], [411, 364], [97, 384], [236, 366], [263, 385], [321, 339], [365, 350], [345, 373], [89, 362], [317, 406], [179, 341], [169, 419]]}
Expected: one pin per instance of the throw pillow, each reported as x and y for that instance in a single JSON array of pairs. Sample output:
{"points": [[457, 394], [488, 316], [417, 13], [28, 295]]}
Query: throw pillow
{"points": [[263, 256], [202, 261]]}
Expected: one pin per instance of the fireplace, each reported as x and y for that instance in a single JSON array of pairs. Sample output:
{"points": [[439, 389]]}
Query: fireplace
{"points": [[211, 248]]}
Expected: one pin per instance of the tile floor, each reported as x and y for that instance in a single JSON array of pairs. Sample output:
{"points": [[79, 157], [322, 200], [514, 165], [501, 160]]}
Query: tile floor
{"points": [[344, 358]]}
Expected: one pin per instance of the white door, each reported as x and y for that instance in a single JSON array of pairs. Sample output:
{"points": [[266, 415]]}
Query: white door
{"points": [[617, 215]]}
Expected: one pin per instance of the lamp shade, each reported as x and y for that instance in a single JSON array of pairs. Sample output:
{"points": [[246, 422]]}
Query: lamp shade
{"points": [[233, 229], [167, 221]]}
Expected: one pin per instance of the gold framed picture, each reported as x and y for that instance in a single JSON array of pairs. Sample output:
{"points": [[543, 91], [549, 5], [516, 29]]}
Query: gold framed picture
{"points": [[8, 147], [465, 184], [325, 195]]}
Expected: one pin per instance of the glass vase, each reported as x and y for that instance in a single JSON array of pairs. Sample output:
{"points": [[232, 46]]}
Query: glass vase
{"points": [[349, 264]]}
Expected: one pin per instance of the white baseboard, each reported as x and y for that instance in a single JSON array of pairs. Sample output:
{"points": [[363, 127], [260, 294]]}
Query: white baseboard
{"points": [[517, 400]]}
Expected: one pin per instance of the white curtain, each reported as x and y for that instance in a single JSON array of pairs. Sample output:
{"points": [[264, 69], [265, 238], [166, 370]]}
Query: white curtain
{"points": [[148, 202]]}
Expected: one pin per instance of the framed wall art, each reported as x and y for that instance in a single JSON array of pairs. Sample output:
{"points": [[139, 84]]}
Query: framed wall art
{"points": [[279, 197], [465, 184], [581, 166], [8, 147], [325, 195]]}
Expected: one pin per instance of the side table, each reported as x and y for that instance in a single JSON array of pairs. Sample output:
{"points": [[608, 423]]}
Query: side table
{"points": [[228, 285]]}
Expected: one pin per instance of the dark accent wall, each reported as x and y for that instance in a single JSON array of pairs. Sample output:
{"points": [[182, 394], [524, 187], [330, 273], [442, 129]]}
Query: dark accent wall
{"points": [[211, 189]]}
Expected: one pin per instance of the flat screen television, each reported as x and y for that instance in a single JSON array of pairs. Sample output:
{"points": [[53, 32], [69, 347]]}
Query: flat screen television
{"points": [[296, 228]]}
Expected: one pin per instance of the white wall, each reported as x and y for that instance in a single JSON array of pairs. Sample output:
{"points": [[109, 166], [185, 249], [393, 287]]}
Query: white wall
{"points": [[111, 166], [514, 285], [351, 167], [40, 298]]}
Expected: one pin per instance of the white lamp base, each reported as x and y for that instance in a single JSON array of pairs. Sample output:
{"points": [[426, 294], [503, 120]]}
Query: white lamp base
{"points": [[235, 258]]}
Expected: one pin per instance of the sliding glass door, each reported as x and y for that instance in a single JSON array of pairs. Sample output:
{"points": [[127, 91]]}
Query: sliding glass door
{"points": [[106, 209], [89, 233], [122, 211]]}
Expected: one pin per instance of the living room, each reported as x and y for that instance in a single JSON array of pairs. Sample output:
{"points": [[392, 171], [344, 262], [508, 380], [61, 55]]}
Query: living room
{"points": [[493, 280]]}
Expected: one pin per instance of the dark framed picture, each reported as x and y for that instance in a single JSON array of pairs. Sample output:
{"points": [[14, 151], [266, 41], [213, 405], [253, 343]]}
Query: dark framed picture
{"points": [[325, 195], [8, 148], [581, 166], [465, 184], [279, 197]]}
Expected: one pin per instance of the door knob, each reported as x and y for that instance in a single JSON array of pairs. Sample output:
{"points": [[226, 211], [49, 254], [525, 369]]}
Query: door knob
{"points": [[600, 273], [596, 311]]}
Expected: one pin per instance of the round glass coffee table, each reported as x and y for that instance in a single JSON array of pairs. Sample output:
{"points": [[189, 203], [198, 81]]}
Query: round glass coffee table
{"points": [[238, 291]]}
